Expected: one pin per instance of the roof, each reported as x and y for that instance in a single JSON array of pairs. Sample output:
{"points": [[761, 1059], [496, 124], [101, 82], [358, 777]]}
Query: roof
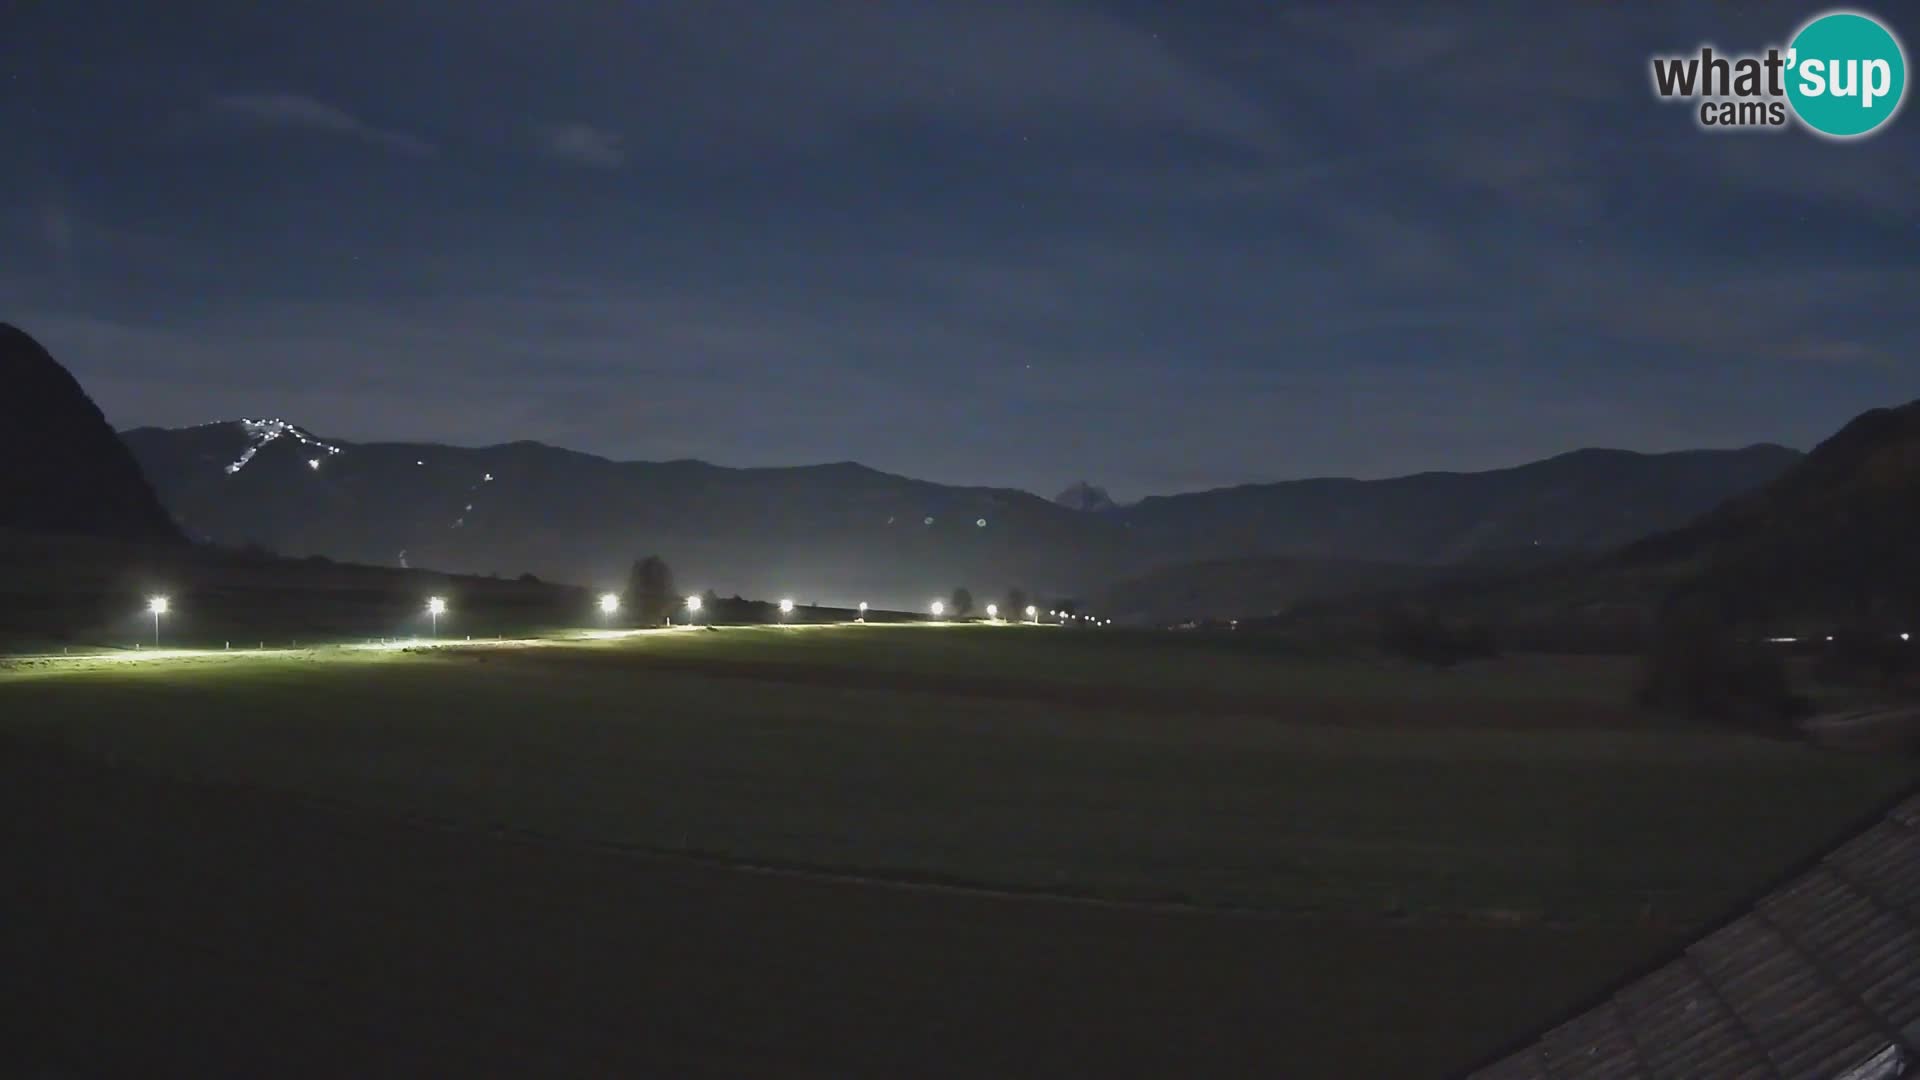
{"points": [[1818, 978]]}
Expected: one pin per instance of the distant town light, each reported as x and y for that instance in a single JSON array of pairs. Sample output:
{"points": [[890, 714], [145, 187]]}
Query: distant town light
{"points": [[313, 463], [609, 603]]}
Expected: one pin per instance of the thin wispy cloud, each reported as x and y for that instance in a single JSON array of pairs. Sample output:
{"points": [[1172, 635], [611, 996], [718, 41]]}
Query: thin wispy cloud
{"points": [[297, 111], [582, 144]]}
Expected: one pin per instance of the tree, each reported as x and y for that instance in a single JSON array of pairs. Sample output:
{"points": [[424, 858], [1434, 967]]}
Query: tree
{"points": [[1016, 604], [650, 590], [1698, 665], [961, 602]]}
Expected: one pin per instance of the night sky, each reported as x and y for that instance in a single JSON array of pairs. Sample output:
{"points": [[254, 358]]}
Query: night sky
{"points": [[1159, 246]]}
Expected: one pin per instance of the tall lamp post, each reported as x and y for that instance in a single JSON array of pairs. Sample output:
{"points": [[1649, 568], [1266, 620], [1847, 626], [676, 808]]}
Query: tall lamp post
{"points": [[609, 603], [436, 607], [157, 605], [693, 610]]}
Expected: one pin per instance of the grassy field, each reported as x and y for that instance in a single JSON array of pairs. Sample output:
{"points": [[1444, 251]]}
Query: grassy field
{"points": [[1398, 811], [1087, 763]]}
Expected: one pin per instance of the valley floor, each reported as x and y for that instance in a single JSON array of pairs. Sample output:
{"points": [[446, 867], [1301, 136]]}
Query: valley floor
{"points": [[380, 861]]}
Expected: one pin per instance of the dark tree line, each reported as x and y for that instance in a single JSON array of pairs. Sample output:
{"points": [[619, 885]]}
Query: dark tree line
{"points": [[1430, 639]]}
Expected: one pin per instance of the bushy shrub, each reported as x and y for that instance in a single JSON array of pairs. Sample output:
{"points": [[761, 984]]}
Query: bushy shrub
{"points": [[1697, 666]]}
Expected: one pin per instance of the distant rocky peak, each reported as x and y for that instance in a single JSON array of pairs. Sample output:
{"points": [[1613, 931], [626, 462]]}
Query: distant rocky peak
{"points": [[1085, 497]]}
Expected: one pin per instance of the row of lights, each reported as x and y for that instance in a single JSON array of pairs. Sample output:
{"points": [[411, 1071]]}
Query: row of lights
{"points": [[610, 603]]}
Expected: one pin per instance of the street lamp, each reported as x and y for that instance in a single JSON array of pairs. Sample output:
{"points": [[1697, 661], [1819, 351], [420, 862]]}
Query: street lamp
{"points": [[1033, 613], [693, 609], [609, 603], [786, 607], [938, 609], [863, 611], [993, 612], [436, 607], [157, 605]]}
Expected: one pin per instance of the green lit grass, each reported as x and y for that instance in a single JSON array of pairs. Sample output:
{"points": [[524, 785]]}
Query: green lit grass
{"points": [[1316, 786]]}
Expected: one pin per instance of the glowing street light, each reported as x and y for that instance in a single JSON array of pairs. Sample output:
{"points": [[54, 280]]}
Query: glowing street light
{"points": [[609, 603], [157, 606], [436, 607], [939, 608], [786, 607], [993, 612], [1033, 613], [863, 611], [693, 609]]}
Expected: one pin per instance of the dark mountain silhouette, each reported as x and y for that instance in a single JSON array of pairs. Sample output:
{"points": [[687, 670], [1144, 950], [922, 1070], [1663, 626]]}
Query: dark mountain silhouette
{"points": [[839, 533], [62, 468], [1085, 497], [1834, 537], [845, 532], [1827, 545], [1584, 500]]}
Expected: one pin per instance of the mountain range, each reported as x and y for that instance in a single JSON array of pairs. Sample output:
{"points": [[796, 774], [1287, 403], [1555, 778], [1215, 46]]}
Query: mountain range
{"points": [[1585, 536], [1585, 541], [843, 532]]}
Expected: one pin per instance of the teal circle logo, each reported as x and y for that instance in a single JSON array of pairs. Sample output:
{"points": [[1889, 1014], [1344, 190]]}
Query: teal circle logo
{"points": [[1846, 74]]}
